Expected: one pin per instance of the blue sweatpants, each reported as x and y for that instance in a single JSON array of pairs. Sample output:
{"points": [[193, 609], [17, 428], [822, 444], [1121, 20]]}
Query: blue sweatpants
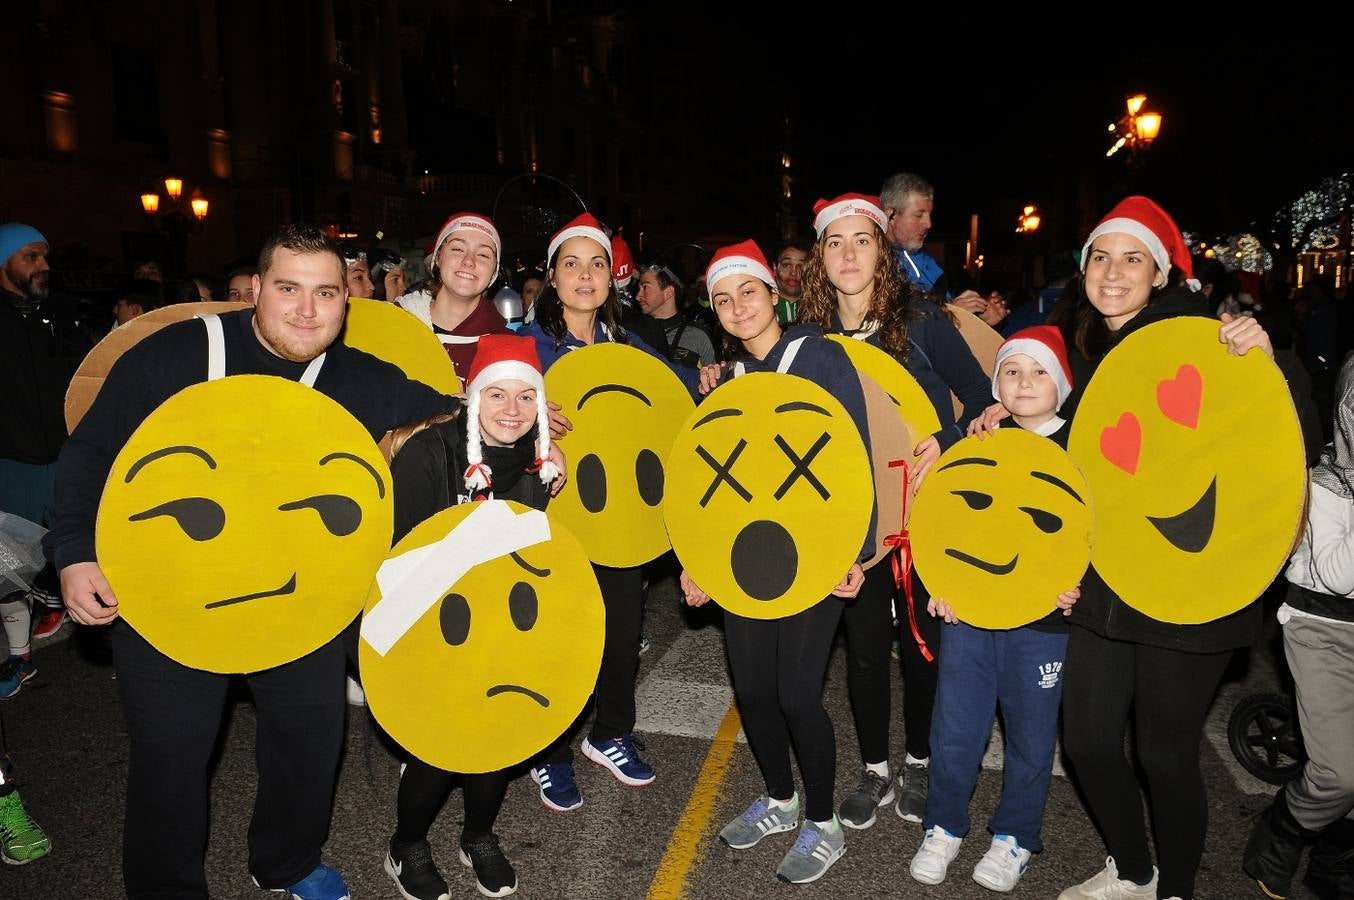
{"points": [[1021, 670]]}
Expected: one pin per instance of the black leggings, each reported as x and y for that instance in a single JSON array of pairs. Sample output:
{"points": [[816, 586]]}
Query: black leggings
{"points": [[869, 641], [778, 668], [1169, 692], [424, 790]]}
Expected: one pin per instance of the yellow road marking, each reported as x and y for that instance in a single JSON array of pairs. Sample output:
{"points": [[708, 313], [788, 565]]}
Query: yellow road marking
{"points": [[690, 838]]}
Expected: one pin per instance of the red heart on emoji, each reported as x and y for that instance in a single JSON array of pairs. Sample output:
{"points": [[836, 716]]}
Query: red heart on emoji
{"points": [[1180, 397], [1121, 444]]}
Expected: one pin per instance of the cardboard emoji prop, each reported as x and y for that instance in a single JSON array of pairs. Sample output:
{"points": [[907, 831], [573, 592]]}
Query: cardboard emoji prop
{"points": [[388, 332], [626, 407], [914, 408], [482, 637], [242, 522], [1195, 460], [769, 495], [1001, 527], [983, 340]]}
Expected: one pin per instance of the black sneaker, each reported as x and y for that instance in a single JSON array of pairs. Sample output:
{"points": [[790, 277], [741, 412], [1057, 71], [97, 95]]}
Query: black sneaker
{"points": [[494, 875], [415, 874], [912, 784]]}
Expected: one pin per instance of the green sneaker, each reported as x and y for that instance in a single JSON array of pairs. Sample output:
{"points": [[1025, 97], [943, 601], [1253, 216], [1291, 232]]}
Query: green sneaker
{"points": [[21, 840]]}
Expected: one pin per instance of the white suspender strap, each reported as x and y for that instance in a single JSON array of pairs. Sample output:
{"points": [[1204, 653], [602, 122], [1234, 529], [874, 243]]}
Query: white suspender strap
{"points": [[785, 361], [312, 371], [216, 346]]}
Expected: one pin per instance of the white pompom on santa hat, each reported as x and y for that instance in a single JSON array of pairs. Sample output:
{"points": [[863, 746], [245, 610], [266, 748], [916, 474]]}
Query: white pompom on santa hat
{"points": [[825, 212], [1045, 345], [1143, 219], [744, 258], [502, 357], [585, 225], [466, 221]]}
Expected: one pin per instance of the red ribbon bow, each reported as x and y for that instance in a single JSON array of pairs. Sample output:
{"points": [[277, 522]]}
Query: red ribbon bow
{"points": [[900, 558]]}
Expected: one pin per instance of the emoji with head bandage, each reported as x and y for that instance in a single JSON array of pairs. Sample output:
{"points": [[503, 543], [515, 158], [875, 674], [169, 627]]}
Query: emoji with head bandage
{"points": [[482, 636]]}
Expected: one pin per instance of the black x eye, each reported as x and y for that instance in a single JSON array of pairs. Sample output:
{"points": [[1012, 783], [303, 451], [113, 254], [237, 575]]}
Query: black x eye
{"points": [[1044, 521], [801, 466], [974, 499], [455, 618], [201, 519], [340, 515], [724, 472], [522, 606]]}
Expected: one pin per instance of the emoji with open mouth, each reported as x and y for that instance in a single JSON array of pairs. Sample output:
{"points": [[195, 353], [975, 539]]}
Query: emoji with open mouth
{"points": [[769, 495], [482, 636], [242, 522], [626, 407], [1195, 460], [1001, 527]]}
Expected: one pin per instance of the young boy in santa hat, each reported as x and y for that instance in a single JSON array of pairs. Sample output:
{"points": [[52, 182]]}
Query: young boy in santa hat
{"points": [[1032, 379]]}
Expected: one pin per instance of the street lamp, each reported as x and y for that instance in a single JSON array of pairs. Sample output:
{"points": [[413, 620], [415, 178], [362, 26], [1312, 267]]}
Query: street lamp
{"points": [[1137, 129], [1028, 221]]}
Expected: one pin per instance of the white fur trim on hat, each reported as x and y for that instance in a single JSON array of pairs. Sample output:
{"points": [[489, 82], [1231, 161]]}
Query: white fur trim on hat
{"points": [[1138, 230], [467, 222], [478, 476], [850, 207], [1039, 352], [574, 231], [736, 265]]}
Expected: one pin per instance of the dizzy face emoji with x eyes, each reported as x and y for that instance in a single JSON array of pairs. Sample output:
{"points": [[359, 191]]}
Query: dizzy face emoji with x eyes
{"points": [[1001, 527], [1195, 459], [482, 636], [242, 522], [769, 495], [626, 408]]}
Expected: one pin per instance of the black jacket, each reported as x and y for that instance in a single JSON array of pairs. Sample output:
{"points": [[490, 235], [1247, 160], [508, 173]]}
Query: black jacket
{"points": [[39, 352]]}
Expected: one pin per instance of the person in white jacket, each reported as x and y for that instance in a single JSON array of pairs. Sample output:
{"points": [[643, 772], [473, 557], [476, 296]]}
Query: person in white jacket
{"points": [[1318, 632]]}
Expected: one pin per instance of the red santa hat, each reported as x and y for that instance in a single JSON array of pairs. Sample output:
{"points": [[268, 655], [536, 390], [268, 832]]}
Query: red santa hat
{"points": [[738, 259], [825, 212], [585, 225], [500, 357], [1143, 219], [466, 221], [622, 261], [1044, 344]]}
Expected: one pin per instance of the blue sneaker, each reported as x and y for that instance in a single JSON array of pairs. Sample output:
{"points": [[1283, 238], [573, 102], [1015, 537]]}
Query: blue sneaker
{"points": [[619, 755], [323, 883], [14, 672], [559, 791]]}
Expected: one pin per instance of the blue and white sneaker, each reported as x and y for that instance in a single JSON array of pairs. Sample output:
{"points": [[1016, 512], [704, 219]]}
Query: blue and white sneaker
{"points": [[1003, 864], [14, 673], [559, 791], [323, 883], [619, 755]]}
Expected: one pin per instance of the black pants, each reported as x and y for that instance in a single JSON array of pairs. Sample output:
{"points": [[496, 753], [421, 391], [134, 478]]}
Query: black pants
{"points": [[869, 641], [614, 698], [778, 668], [174, 717], [1168, 692], [424, 790]]}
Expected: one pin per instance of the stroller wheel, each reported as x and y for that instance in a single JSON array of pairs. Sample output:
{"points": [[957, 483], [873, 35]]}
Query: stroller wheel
{"points": [[1263, 735]]}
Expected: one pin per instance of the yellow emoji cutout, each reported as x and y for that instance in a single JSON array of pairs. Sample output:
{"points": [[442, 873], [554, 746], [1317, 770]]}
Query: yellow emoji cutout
{"points": [[1001, 527], [914, 408], [769, 495], [891, 461], [390, 333], [242, 522], [1195, 459], [626, 407], [482, 637]]}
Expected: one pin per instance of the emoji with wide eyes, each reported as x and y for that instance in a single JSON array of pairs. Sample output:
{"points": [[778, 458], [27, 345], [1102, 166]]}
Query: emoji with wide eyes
{"points": [[626, 407], [242, 522], [769, 495], [1195, 459], [1001, 527], [482, 636]]}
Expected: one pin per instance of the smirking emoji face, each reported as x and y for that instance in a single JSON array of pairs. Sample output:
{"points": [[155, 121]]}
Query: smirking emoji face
{"points": [[626, 408], [1195, 459], [769, 495], [482, 637], [1001, 527], [242, 522]]}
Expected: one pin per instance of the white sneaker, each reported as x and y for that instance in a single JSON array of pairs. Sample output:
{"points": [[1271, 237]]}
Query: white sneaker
{"points": [[356, 696], [1107, 885], [1002, 865], [938, 849]]}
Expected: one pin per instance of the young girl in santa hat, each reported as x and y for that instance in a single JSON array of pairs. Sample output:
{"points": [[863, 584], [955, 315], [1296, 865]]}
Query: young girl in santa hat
{"points": [[496, 446], [853, 286], [578, 307], [1119, 660], [1017, 670], [464, 262], [778, 665]]}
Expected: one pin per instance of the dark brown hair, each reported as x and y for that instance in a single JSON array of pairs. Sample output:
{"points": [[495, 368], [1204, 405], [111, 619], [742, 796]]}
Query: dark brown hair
{"points": [[299, 238], [890, 302]]}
